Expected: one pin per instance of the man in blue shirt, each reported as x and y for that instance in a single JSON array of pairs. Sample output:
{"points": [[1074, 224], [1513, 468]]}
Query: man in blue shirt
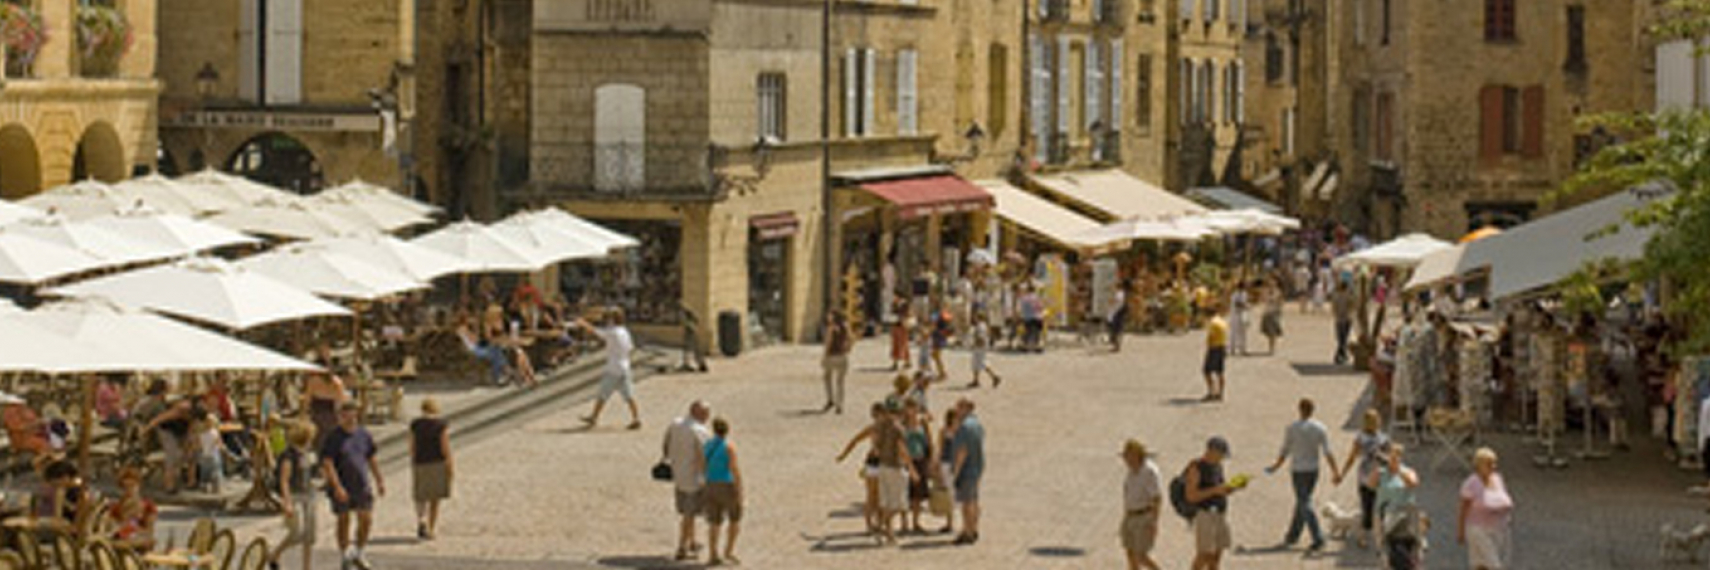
{"points": [[347, 462], [970, 465]]}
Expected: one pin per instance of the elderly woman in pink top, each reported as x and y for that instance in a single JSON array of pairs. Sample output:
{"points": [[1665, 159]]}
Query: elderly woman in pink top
{"points": [[1485, 511]]}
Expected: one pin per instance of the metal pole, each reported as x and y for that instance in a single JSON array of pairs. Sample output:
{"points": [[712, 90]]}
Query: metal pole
{"points": [[827, 217]]}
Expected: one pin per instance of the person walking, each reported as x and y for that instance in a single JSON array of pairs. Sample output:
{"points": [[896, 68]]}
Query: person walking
{"points": [[296, 499], [1370, 448], [1117, 321], [1032, 310], [901, 328], [694, 357], [1303, 444], [348, 465], [684, 442], [1238, 306], [1206, 489], [1141, 497], [967, 470], [980, 344], [431, 467], [723, 493], [887, 489], [917, 434], [838, 341], [1270, 321], [1342, 308], [946, 463], [618, 377], [1397, 509], [943, 328], [1486, 508], [1216, 352]]}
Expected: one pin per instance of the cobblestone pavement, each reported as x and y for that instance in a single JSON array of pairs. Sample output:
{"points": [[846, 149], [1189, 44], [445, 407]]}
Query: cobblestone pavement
{"points": [[550, 494]]}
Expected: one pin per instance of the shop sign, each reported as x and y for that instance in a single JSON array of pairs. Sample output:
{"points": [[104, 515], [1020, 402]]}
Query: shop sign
{"points": [[263, 120]]}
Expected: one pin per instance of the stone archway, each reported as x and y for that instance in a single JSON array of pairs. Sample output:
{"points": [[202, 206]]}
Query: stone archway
{"points": [[20, 163], [278, 160], [100, 155]]}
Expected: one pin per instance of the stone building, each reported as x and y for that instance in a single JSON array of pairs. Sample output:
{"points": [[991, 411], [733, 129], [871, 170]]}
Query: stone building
{"points": [[1208, 84], [1283, 139], [1445, 117], [300, 94], [69, 114]]}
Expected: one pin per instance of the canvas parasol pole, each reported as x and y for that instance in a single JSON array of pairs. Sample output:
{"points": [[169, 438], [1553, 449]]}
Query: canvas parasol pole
{"points": [[86, 425]]}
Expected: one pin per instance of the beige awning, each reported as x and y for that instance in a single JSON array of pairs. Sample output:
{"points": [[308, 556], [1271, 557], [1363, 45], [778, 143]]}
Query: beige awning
{"points": [[1118, 195], [1039, 215]]}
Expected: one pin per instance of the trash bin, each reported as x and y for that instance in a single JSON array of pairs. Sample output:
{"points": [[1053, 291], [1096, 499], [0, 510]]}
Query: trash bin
{"points": [[730, 333]]}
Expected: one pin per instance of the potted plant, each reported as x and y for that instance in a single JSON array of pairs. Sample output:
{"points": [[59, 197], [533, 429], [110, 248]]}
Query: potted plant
{"points": [[103, 38], [24, 35]]}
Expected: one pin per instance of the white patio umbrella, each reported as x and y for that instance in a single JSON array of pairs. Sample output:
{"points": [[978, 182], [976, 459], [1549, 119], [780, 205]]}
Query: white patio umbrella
{"points": [[237, 188], [29, 260], [556, 239], [581, 227], [13, 212], [359, 191], [1245, 221], [330, 274], [1404, 251], [487, 249], [183, 235], [113, 248], [155, 187], [207, 290], [1147, 230], [28, 348], [295, 220], [385, 215], [381, 250], [148, 342], [89, 198]]}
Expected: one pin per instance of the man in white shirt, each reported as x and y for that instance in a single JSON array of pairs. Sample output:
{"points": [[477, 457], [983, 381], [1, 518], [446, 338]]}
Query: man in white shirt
{"points": [[1304, 444], [683, 443], [617, 377], [1141, 496]]}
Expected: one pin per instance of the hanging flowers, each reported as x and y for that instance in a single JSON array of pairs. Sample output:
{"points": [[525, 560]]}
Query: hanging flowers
{"points": [[103, 37], [24, 35]]}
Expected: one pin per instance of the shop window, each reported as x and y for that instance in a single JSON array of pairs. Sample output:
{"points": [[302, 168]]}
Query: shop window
{"points": [[646, 281]]}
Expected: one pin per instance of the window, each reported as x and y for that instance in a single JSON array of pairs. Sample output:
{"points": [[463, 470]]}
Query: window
{"points": [[270, 51], [1212, 10], [1187, 81], [1287, 130], [1499, 20], [1092, 88], [908, 103], [1039, 97], [1240, 92], [1187, 7], [1115, 56], [1575, 39], [1143, 92], [770, 90], [1361, 120], [858, 92], [620, 138], [1208, 109], [1229, 94], [1385, 127], [1511, 121], [1273, 58], [1148, 10], [1359, 22], [1082, 91], [1384, 39], [997, 90]]}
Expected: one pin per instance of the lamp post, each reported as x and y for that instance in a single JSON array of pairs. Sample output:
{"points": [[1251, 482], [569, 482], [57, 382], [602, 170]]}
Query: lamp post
{"points": [[207, 79]]}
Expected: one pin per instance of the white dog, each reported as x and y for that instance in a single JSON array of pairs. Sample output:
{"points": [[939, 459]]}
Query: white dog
{"points": [[1342, 522], [1683, 543]]}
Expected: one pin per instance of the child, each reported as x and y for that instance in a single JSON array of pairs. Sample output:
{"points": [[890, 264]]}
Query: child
{"points": [[291, 485], [210, 460], [132, 516], [982, 342]]}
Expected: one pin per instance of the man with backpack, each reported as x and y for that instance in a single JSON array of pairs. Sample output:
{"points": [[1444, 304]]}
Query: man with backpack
{"points": [[1201, 495]]}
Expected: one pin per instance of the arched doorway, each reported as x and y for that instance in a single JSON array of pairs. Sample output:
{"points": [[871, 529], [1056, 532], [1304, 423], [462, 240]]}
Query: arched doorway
{"points": [[100, 155], [278, 160], [20, 163]]}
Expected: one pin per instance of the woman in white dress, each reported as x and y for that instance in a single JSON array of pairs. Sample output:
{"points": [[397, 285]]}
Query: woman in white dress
{"points": [[1238, 320]]}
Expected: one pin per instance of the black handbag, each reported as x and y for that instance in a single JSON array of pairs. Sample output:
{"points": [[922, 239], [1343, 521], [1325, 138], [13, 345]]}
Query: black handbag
{"points": [[662, 471]]}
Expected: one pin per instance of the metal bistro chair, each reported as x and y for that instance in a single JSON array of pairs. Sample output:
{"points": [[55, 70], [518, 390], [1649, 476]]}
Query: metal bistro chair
{"points": [[221, 549], [12, 560], [102, 557], [201, 536], [254, 555], [66, 555]]}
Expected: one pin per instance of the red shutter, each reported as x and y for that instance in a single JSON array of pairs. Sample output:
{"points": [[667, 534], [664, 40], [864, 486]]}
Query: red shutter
{"points": [[1490, 123], [1532, 133]]}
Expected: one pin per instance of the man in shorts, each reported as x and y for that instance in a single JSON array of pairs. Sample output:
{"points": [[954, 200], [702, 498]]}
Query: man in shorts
{"points": [[1141, 495], [969, 467], [347, 464], [894, 471], [1209, 494], [1216, 352], [683, 443], [617, 376]]}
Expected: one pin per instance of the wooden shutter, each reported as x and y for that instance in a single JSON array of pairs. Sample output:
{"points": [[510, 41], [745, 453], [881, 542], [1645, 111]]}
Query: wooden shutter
{"points": [[1240, 93], [249, 52], [1039, 95], [1118, 97], [1491, 122], [1094, 79], [284, 52], [907, 102], [1186, 81], [1065, 85], [867, 65], [851, 92], [1532, 133]]}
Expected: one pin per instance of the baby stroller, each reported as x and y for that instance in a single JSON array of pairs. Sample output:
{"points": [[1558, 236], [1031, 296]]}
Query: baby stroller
{"points": [[1403, 542]]}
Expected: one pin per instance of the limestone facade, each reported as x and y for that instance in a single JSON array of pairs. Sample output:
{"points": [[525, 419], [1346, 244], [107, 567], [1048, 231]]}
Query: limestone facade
{"points": [[1207, 86], [59, 120]]}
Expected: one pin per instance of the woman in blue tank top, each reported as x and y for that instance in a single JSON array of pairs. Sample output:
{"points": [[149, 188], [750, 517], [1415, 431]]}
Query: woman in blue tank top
{"points": [[723, 492]]}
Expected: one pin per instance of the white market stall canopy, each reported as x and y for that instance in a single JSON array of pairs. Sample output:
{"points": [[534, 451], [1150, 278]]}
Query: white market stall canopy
{"points": [[114, 339], [88, 199], [360, 192], [585, 229], [1543, 252], [1405, 251], [182, 235], [294, 220], [1146, 230], [13, 212], [110, 247], [28, 260], [1227, 198], [381, 250], [1056, 223], [236, 189], [1245, 221], [1118, 194], [486, 248], [323, 272], [560, 241], [207, 290]]}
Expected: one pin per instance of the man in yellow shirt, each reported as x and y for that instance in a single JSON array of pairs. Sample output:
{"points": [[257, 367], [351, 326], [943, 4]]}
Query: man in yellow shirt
{"points": [[1216, 350]]}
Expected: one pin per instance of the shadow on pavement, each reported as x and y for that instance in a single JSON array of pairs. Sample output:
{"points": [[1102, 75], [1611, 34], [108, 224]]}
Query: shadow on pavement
{"points": [[804, 413], [393, 540], [854, 510], [843, 542], [1185, 402], [645, 562], [1057, 551], [928, 544]]}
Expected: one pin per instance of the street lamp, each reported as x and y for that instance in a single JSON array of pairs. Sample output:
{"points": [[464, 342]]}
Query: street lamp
{"points": [[206, 80], [975, 135]]}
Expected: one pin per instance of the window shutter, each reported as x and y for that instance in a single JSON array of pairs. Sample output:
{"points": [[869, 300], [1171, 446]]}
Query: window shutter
{"points": [[1490, 123], [284, 52], [1186, 80], [1186, 10], [1359, 22], [1094, 79], [1532, 137], [1098, 10], [867, 64], [907, 104], [1240, 92], [1209, 114], [249, 52], [1118, 96], [851, 90], [1065, 85], [1039, 96]]}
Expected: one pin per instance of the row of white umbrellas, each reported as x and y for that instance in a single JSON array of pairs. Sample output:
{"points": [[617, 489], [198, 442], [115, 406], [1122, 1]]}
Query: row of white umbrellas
{"points": [[1192, 227]]}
